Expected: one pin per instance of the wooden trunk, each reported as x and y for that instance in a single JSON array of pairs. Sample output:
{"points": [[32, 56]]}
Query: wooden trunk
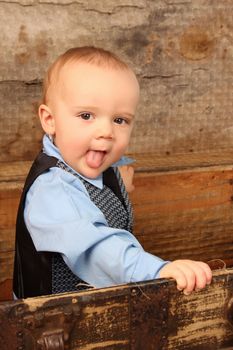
{"points": [[151, 315], [182, 52]]}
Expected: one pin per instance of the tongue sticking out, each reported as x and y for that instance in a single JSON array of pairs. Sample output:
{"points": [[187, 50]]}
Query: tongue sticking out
{"points": [[94, 159]]}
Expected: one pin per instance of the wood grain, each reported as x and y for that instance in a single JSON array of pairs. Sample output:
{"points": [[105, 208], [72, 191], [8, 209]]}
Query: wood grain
{"points": [[185, 213], [181, 52], [148, 315]]}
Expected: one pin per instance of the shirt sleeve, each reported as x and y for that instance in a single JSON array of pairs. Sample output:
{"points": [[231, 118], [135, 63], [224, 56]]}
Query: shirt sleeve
{"points": [[60, 217]]}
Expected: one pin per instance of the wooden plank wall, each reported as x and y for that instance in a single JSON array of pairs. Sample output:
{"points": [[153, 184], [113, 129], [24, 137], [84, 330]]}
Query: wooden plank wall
{"points": [[181, 51], [185, 213]]}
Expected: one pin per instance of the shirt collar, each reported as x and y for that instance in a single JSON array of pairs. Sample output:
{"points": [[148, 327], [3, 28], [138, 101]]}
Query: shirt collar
{"points": [[50, 149]]}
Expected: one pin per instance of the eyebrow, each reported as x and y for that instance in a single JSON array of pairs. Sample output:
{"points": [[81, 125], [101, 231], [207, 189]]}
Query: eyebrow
{"points": [[83, 107], [128, 115]]}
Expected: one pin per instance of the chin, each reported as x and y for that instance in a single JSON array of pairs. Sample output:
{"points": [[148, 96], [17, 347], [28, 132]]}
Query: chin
{"points": [[92, 174]]}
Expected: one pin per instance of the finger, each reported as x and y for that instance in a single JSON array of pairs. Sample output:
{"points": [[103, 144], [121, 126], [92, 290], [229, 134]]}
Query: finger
{"points": [[207, 270], [201, 278], [181, 279], [201, 272], [190, 276], [131, 188], [172, 270], [130, 170]]}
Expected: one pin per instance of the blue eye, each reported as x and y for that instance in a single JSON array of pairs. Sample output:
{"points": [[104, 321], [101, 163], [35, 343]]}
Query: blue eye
{"points": [[86, 116]]}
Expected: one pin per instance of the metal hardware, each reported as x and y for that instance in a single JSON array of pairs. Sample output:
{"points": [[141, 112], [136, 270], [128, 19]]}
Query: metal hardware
{"points": [[148, 316], [53, 340], [48, 329]]}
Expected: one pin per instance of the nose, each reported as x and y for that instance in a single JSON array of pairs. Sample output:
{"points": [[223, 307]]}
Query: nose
{"points": [[105, 129]]}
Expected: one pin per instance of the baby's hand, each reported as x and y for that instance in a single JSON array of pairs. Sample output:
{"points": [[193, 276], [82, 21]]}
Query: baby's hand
{"points": [[189, 275], [127, 173]]}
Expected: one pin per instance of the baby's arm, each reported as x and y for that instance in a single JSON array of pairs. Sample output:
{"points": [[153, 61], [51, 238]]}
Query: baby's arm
{"points": [[189, 275], [127, 173]]}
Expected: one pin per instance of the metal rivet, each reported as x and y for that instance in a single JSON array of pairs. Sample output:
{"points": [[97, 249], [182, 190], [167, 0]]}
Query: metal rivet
{"points": [[29, 324], [134, 292]]}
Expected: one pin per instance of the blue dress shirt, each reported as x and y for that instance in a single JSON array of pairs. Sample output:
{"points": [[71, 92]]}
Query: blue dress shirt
{"points": [[60, 217]]}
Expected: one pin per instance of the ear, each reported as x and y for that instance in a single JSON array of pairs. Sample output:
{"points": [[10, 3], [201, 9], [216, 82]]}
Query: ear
{"points": [[46, 119]]}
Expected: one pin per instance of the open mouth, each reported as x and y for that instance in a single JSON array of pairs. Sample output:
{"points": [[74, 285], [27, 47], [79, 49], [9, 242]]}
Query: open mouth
{"points": [[94, 158]]}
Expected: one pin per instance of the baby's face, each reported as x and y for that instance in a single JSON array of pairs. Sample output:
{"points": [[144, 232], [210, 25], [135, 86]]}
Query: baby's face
{"points": [[93, 112]]}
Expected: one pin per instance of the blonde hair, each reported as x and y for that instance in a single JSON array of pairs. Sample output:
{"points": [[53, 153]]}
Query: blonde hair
{"points": [[87, 54]]}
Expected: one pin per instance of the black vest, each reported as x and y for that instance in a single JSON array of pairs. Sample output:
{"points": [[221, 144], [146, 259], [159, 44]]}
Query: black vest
{"points": [[41, 273]]}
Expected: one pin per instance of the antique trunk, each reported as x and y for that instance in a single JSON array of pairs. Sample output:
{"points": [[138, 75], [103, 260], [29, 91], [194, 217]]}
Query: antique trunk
{"points": [[151, 315], [182, 53]]}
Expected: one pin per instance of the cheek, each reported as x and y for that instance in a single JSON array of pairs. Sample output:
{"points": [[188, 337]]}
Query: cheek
{"points": [[123, 141], [66, 139], [66, 132], [125, 137]]}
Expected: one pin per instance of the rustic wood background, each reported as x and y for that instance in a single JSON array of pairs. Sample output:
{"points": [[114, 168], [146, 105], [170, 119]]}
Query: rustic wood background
{"points": [[182, 52]]}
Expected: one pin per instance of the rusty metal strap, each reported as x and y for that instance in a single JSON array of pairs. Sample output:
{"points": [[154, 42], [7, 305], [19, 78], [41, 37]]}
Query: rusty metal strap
{"points": [[148, 316]]}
